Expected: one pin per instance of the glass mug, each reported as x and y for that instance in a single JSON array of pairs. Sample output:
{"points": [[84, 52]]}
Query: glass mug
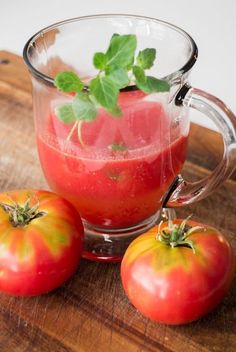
{"points": [[127, 169]]}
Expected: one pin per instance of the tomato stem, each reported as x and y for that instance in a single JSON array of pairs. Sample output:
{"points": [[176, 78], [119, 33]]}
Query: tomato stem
{"points": [[175, 235], [21, 215]]}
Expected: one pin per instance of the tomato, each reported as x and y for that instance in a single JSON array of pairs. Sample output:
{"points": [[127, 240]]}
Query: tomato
{"points": [[177, 272], [40, 241]]}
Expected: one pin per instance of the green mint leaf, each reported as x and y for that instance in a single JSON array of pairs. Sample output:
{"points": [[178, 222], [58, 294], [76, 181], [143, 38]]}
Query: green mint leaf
{"points": [[146, 58], [65, 113], [68, 82], [119, 76], [83, 107], [99, 61], [115, 111], [105, 91], [117, 147], [115, 35], [130, 65], [152, 85], [121, 50], [139, 75]]}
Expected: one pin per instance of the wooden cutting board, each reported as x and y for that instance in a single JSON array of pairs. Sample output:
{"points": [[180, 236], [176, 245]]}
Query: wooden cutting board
{"points": [[90, 313]]}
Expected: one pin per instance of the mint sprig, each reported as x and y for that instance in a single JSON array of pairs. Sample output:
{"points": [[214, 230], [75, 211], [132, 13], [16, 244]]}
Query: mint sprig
{"points": [[118, 68]]}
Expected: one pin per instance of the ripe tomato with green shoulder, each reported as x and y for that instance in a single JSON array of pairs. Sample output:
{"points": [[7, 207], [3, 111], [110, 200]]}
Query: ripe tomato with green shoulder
{"points": [[177, 272], [41, 238]]}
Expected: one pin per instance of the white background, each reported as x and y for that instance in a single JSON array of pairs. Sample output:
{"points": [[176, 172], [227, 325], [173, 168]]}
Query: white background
{"points": [[211, 23]]}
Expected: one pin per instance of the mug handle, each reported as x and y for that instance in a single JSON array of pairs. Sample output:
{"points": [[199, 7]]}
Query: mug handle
{"points": [[182, 192]]}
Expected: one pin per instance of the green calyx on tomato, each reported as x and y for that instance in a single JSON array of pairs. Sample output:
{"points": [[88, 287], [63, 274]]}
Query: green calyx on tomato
{"points": [[21, 215], [176, 235]]}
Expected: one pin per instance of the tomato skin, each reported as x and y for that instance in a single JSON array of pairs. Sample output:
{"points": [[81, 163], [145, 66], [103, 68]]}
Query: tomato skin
{"points": [[174, 285], [40, 256]]}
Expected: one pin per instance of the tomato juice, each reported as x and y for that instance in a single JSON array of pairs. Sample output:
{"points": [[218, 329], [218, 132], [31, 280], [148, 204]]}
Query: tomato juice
{"points": [[120, 173]]}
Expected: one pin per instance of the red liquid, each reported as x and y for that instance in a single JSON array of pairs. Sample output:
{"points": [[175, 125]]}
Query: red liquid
{"points": [[115, 189]]}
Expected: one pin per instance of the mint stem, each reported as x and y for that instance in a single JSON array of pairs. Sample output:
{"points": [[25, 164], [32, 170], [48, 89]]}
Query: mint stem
{"points": [[72, 130], [77, 125], [80, 133]]}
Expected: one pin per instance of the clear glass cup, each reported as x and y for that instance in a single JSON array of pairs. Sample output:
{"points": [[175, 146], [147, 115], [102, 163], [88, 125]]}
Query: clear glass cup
{"points": [[120, 172]]}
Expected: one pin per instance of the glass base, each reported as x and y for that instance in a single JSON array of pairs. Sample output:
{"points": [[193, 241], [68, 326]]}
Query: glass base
{"points": [[109, 245]]}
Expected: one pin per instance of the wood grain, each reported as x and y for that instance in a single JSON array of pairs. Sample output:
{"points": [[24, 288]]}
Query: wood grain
{"points": [[91, 312]]}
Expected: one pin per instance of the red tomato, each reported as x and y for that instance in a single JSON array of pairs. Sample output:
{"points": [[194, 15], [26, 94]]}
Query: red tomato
{"points": [[179, 275], [40, 241]]}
